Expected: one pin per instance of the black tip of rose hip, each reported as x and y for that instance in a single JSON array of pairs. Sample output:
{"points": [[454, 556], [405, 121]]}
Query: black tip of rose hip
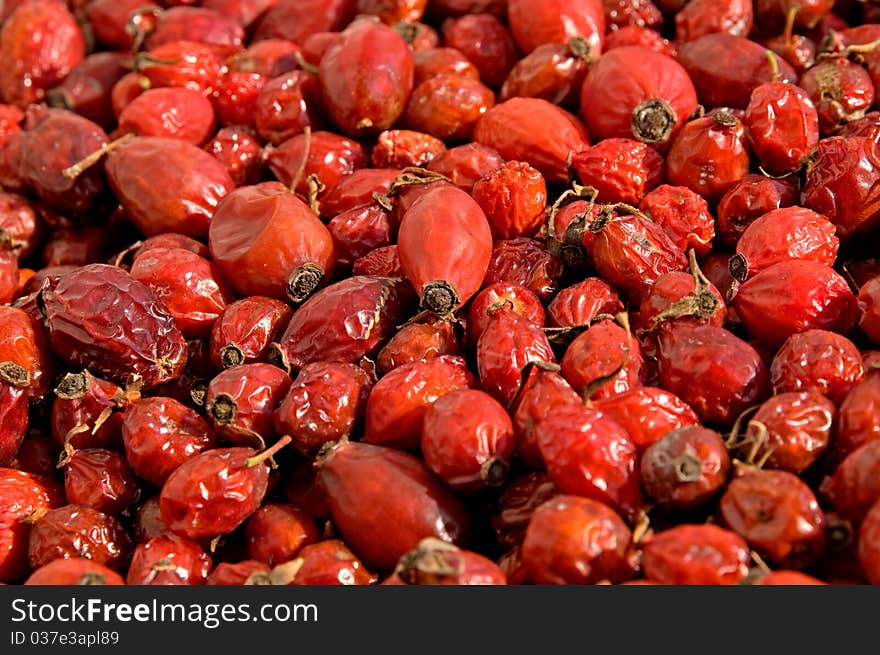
{"points": [[439, 297], [738, 267], [231, 355], [223, 408], [303, 281], [653, 121], [73, 385], [725, 118], [687, 468], [13, 374], [494, 472]]}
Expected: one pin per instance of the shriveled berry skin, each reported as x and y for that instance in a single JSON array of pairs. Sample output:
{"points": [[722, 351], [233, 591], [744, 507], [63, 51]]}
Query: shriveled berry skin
{"points": [[869, 308], [170, 112], [398, 402], [750, 198], [326, 402], [841, 184], [300, 19], [245, 328], [434, 62], [636, 93], [435, 562], [647, 414], [777, 514], [534, 131], [718, 374], [180, 196], [725, 69], [79, 531], [169, 559], [448, 106], [246, 572], [695, 555], [80, 400], [684, 215], [160, 434], [23, 342], [773, 12], [631, 252], [355, 189], [445, 245], [782, 126], [417, 341], [869, 545], [40, 43], [384, 502], [285, 105], [402, 148], [148, 521], [200, 24], [553, 71], [213, 492], [486, 42], [508, 343], [14, 397], [580, 303], [74, 571], [793, 428], [466, 164], [502, 295], [645, 37], [858, 421], [467, 439], [854, 486], [263, 239], [588, 454], [783, 235], [277, 531], [701, 17], [344, 321], [331, 562], [100, 479], [709, 155], [525, 262], [622, 170], [240, 401], [513, 199], [516, 504], [365, 78], [604, 360], [685, 468], [794, 296], [574, 540], [237, 148], [23, 494], [535, 22], [677, 296], [841, 90], [101, 318], [326, 155]]}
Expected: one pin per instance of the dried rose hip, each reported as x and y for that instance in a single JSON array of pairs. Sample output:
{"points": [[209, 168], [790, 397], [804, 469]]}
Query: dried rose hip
{"points": [[525, 262], [782, 126], [240, 401], [246, 572], [553, 71], [74, 571], [418, 341], [777, 514], [534, 131], [750, 198], [285, 105], [621, 170], [87, 89], [452, 225], [330, 562], [23, 342], [685, 468], [784, 235], [245, 328], [794, 296], [858, 421], [186, 64], [100, 479], [169, 559], [366, 77], [116, 24], [215, 491], [516, 504], [513, 199], [277, 531], [398, 402], [502, 295], [574, 540], [467, 439], [636, 93], [603, 361], [695, 555], [402, 148], [101, 318], [160, 434], [297, 20], [718, 374], [841, 184], [817, 360], [40, 43], [486, 43], [358, 231], [535, 22], [343, 322], [180, 196], [680, 296], [78, 531], [853, 487], [14, 397], [435, 562], [169, 112], [267, 242], [725, 69], [448, 106], [326, 402], [869, 545], [385, 501], [647, 414], [464, 165], [580, 303], [200, 24], [434, 62], [841, 90], [588, 454], [701, 17], [84, 412]]}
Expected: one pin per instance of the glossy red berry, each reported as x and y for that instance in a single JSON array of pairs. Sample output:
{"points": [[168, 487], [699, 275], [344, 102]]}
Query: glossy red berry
{"points": [[277, 531], [101, 479], [782, 126], [79, 531], [169, 559], [695, 555]]}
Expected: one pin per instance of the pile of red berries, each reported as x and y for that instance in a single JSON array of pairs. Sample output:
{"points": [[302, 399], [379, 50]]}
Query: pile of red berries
{"points": [[439, 292]]}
